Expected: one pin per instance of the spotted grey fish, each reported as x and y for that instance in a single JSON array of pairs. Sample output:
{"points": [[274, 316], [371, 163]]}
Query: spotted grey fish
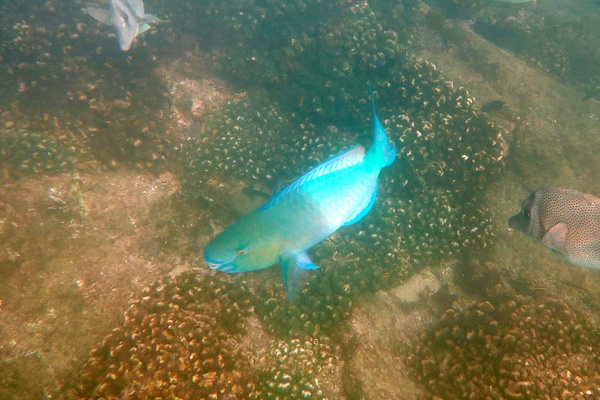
{"points": [[565, 221], [128, 18], [336, 193]]}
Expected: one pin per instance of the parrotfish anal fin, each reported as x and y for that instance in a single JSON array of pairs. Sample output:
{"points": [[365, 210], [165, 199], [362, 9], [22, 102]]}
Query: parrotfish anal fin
{"points": [[293, 269], [364, 207], [556, 237], [346, 159], [98, 14]]}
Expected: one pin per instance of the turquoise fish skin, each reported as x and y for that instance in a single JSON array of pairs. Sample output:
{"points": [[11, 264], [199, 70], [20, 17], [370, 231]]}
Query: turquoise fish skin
{"points": [[336, 193]]}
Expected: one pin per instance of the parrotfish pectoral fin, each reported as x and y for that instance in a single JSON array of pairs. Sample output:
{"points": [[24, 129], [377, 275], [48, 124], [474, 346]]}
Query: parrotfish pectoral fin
{"points": [[556, 237], [382, 149], [346, 159], [144, 27], [293, 269], [365, 207], [98, 14]]}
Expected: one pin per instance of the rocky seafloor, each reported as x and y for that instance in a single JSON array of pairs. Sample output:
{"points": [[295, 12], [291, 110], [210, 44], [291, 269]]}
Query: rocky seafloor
{"points": [[118, 167]]}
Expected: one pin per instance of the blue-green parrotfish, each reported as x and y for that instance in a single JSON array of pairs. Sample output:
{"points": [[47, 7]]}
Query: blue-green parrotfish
{"points": [[336, 193]]}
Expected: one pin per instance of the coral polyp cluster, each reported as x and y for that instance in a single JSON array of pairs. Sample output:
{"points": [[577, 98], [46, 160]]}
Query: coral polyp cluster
{"points": [[292, 369], [37, 152], [68, 100], [516, 349], [173, 343], [313, 56], [195, 336]]}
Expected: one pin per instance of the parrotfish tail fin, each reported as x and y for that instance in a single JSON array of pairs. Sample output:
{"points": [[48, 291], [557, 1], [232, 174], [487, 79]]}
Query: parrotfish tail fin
{"points": [[293, 269], [382, 150], [152, 19]]}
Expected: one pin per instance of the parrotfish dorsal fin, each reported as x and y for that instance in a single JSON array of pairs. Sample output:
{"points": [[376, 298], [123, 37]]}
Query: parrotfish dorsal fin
{"points": [[344, 160]]}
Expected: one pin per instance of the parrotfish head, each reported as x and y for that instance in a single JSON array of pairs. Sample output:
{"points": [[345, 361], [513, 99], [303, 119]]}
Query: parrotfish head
{"points": [[238, 250], [125, 24], [527, 220]]}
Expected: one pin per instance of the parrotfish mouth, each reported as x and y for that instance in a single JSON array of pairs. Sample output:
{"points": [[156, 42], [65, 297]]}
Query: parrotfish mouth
{"points": [[213, 265], [223, 266]]}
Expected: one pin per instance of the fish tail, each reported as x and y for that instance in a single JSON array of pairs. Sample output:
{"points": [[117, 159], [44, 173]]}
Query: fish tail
{"points": [[382, 151]]}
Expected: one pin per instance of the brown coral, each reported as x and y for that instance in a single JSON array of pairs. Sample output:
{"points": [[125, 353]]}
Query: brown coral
{"points": [[175, 343], [514, 350]]}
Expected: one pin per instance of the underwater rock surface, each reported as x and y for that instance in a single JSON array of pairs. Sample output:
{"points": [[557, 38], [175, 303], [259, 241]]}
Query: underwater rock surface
{"points": [[72, 104]]}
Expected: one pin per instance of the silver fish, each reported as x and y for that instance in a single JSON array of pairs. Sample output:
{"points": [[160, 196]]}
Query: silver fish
{"points": [[566, 221], [128, 18]]}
